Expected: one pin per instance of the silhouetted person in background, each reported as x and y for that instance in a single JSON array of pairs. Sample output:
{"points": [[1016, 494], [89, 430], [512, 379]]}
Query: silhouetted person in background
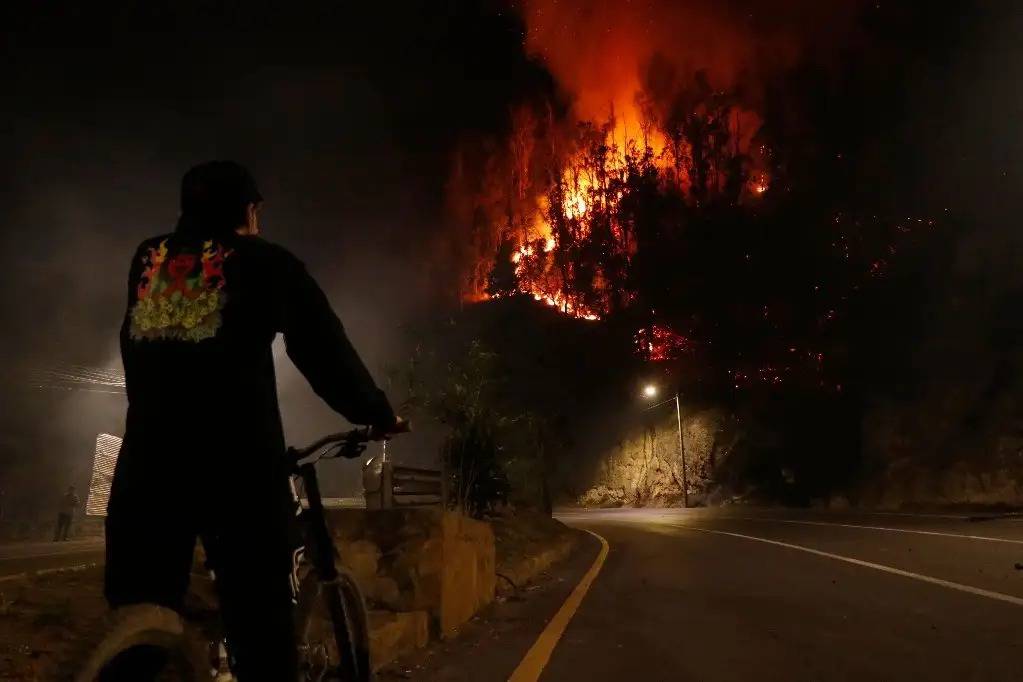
{"points": [[66, 514]]}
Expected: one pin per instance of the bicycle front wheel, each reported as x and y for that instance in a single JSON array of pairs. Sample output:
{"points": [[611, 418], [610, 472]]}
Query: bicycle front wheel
{"points": [[333, 629], [141, 642]]}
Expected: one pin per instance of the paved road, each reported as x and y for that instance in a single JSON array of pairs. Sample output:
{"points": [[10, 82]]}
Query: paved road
{"points": [[748, 595], [34, 556], [741, 595], [708, 595]]}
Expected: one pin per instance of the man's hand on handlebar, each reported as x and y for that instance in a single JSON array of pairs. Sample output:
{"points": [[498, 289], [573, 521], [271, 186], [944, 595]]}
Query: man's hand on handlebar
{"points": [[350, 444], [401, 425]]}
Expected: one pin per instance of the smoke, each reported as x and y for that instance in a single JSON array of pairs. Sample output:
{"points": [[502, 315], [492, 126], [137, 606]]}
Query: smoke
{"points": [[347, 116], [598, 50], [104, 111]]}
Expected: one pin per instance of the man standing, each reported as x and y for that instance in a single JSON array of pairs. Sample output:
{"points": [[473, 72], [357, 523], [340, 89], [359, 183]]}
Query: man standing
{"points": [[68, 504], [203, 451]]}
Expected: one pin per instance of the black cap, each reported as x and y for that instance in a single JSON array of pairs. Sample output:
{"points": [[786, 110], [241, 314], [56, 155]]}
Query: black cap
{"points": [[215, 186]]}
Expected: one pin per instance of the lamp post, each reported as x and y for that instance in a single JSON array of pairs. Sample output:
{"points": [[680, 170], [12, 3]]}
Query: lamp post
{"points": [[650, 391]]}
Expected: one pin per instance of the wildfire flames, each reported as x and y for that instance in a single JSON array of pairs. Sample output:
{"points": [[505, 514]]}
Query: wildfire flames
{"points": [[562, 225], [556, 299], [586, 195], [559, 210]]}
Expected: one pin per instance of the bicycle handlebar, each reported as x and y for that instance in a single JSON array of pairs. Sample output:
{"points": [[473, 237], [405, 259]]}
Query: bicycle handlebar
{"points": [[352, 443]]}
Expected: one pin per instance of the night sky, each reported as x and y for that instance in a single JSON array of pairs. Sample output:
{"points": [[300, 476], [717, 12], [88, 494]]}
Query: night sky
{"points": [[348, 119]]}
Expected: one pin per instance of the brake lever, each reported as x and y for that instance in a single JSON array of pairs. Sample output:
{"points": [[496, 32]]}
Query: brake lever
{"points": [[347, 451], [353, 451]]}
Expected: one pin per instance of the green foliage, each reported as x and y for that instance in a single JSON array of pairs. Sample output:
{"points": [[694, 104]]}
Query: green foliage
{"points": [[494, 452], [461, 397]]}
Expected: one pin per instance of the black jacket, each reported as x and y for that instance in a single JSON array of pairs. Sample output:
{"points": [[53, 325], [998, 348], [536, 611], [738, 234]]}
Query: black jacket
{"points": [[196, 345]]}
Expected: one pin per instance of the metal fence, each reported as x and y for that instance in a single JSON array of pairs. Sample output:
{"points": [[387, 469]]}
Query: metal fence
{"points": [[411, 485], [388, 486]]}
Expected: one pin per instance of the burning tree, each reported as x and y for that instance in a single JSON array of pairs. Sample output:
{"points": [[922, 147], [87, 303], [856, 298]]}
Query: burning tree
{"points": [[683, 226], [703, 200]]}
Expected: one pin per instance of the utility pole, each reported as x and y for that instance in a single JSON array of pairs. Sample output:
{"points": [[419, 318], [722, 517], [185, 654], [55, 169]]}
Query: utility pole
{"points": [[682, 454], [650, 391]]}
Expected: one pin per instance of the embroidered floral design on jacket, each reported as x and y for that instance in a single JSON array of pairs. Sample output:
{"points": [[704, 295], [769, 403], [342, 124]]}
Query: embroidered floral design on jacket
{"points": [[180, 295]]}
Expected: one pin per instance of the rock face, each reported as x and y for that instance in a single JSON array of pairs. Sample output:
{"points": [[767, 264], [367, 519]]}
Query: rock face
{"points": [[923, 456], [646, 467]]}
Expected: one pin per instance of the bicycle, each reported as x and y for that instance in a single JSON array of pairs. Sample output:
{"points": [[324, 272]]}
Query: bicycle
{"points": [[330, 612]]}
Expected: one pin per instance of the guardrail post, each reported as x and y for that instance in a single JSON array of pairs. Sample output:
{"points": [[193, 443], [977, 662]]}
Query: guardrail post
{"points": [[443, 483], [386, 486]]}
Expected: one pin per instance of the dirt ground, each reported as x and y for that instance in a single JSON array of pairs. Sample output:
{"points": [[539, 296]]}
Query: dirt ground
{"points": [[45, 618], [42, 618], [525, 534]]}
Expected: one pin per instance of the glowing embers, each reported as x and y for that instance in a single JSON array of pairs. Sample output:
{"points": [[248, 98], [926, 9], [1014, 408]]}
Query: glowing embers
{"points": [[659, 342], [800, 366]]}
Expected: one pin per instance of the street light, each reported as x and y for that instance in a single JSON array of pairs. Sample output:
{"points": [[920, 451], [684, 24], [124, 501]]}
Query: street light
{"points": [[650, 391]]}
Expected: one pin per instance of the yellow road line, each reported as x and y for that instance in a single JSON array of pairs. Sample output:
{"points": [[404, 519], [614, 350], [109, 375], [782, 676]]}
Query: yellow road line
{"points": [[539, 654]]}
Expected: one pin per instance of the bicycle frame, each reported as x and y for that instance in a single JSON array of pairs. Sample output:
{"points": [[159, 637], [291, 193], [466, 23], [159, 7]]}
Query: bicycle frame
{"points": [[322, 556], [319, 548], [315, 522], [314, 545], [150, 625]]}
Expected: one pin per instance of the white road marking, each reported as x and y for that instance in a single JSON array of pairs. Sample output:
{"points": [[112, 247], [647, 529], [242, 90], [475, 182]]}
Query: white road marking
{"points": [[854, 512], [800, 522], [913, 515], [969, 589]]}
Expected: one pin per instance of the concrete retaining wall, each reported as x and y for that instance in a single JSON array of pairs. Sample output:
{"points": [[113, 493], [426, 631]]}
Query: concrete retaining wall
{"points": [[416, 561]]}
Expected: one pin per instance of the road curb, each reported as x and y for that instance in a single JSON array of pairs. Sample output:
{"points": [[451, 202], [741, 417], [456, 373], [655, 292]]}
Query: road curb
{"points": [[396, 634], [518, 574], [47, 571]]}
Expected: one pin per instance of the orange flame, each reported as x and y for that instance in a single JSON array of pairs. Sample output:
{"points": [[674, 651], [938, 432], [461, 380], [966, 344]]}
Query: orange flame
{"points": [[604, 54]]}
